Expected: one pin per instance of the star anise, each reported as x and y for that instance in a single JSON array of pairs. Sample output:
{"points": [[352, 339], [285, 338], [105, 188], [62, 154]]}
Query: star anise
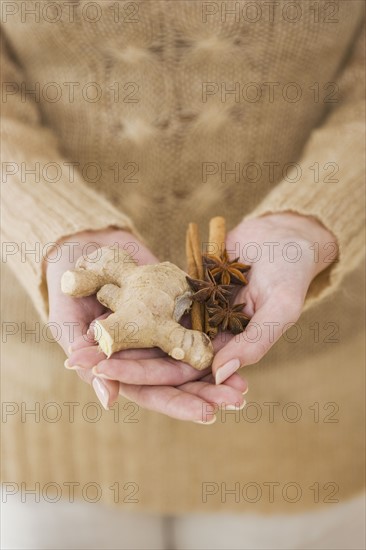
{"points": [[226, 271], [228, 317], [209, 289]]}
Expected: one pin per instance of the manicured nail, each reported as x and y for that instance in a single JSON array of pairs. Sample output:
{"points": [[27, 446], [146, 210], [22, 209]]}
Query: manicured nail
{"points": [[227, 370], [71, 367], [101, 374], [208, 422], [236, 407], [246, 391], [101, 392]]}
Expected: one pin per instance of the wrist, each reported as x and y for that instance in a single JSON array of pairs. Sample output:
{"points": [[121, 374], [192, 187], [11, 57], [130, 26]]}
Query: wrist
{"points": [[99, 238], [304, 226], [308, 229], [97, 235]]}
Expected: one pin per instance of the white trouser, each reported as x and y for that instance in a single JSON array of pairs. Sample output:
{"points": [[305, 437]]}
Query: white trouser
{"points": [[80, 525]]}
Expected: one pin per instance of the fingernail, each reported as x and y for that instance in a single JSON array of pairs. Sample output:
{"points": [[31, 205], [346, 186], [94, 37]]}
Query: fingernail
{"points": [[207, 422], [101, 374], [236, 407], [101, 392], [246, 391], [71, 367], [227, 370]]}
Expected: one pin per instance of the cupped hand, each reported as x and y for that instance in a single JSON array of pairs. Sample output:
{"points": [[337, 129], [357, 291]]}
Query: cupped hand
{"points": [[147, 376], [70, 318], [286, 252]]}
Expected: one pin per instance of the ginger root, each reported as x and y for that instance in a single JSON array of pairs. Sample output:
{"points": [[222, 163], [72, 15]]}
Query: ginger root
{"points": [[147, 303]]}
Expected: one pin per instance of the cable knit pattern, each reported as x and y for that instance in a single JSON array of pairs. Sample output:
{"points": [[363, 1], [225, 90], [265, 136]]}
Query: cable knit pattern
{"points": [[167, 116], [153, 117]]}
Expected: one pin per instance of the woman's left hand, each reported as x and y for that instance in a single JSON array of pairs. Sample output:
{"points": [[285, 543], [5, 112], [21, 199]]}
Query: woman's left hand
{"points": [[286, 251]]}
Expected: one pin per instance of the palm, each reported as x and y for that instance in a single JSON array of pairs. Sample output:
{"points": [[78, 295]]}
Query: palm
{"points": [[72, 316]]}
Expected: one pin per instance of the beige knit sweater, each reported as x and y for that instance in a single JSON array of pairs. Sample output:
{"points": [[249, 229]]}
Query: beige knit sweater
{"points": [[148, 115]]}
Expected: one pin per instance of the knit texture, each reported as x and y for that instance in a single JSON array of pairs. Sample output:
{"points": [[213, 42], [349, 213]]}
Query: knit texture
{"points": [[157, 122]]}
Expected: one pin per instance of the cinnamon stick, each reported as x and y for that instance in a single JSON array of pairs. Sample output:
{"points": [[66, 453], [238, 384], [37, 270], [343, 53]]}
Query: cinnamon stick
{"points": [[196, 248], [217, 234], [191, 263], [195, 270], [216, 238]]}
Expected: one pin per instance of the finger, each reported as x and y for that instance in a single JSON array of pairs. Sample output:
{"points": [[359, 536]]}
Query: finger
{"points": [[235, 381], [264, 329], [89, 357], [84, 358], [219, 396], [88, 338], [77, 311], [170, 401], [80, 342], [105, 390], [151, 371]]}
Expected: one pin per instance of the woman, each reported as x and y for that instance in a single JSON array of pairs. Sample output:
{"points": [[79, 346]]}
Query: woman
{"points": [[123, 122]]}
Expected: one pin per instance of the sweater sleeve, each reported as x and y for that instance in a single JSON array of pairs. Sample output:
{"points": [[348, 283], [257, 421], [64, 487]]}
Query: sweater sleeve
{"points": [[36, 210], [336, 196]]}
